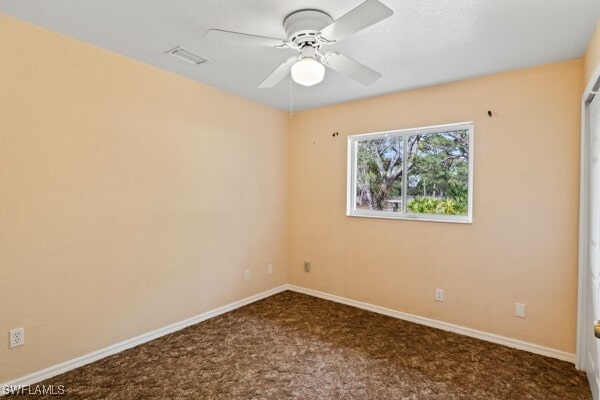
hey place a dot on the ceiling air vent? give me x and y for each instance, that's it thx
(186, 55)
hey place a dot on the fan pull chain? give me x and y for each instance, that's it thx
(291, 98)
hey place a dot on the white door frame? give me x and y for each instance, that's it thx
(583, 328)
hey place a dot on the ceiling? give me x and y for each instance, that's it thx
(425, 42)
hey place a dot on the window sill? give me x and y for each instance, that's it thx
(457, 219)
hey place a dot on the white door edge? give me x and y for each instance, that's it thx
(583, 327)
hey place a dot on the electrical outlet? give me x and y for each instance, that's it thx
(520, 310)
(247, 275)
(306, 266)
(439, 294)
(270, 269)
(17, 337)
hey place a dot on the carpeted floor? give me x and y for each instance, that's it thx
(292, 346)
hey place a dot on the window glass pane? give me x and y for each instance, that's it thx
(379, 174)
(438, 173)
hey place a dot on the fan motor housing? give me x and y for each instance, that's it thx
(302, 27)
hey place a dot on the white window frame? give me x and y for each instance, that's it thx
(353, 140)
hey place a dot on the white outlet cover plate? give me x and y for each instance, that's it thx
(520, 310)
(17, 337)
(306, 266)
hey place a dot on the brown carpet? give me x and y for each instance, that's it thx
(292, 346)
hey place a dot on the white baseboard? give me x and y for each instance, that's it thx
(490, 337)
(127, 344)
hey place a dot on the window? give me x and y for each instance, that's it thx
(422, 173)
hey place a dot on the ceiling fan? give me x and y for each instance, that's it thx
(308, 32)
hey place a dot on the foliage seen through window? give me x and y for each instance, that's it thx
(410, 173)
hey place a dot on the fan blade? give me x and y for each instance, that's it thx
(280, 72)
(350, 68)
(242, 38)
(357, 19)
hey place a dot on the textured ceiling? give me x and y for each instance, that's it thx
(424, 43)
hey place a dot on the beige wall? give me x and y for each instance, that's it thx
(592, 55)
(522, 244)
(128, 197)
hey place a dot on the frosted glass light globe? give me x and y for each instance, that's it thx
(308, 72)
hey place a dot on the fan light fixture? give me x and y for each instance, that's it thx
(309, 32)
(308, 72)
